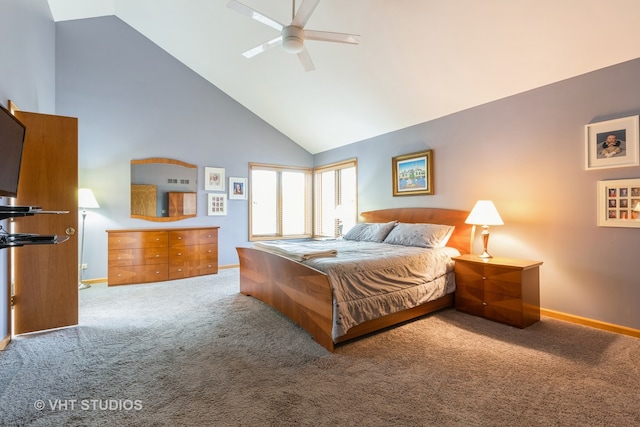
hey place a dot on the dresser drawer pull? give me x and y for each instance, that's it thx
(157, 255)
(179, 237)
(157, 272)
(484, 303)
(484, 277)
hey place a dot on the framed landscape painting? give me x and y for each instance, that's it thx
(413, 174)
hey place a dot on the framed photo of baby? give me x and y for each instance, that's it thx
(612, 144)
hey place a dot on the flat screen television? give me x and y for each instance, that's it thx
(11, 144)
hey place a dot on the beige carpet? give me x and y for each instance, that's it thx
(196, 353)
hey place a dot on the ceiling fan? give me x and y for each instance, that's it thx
(292, 36)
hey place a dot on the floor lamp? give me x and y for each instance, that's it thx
(86, 200)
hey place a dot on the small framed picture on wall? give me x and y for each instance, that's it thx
(619, 203)
(612, 144)
(214, 179)
(237, 188)
(413, 174)
(216, 204)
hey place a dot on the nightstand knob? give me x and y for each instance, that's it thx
(484, 303)
(484, 277)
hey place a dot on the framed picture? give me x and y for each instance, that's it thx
(237, 188)
(619, 203)
(612, 144)
(214, 179)
(413, 174)
(216, 204)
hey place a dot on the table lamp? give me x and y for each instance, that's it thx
(484, 213)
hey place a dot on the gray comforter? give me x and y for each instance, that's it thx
(371, 280)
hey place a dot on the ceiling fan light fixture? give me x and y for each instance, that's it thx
(293, 39)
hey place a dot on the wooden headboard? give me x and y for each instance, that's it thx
(462, 236)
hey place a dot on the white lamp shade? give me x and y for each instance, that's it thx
(86, 199)
(484, 213)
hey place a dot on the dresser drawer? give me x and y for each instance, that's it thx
(137, 274)
(208, 236)
(135, 240)
(179, 255)
(182, 270)
(183, 238)
(208, 253)
(125, 257)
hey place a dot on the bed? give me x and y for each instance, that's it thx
(305, 294)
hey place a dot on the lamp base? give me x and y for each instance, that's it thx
(83, 286)
(485, 254)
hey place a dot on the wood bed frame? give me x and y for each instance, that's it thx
(304, 294)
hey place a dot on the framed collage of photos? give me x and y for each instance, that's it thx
(619, 203)
(216, 204)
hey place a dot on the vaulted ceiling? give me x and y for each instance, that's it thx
(417, 59)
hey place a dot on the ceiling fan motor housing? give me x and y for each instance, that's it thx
(293, 39)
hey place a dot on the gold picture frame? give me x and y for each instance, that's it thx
(413, 173)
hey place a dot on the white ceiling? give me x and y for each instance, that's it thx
(417, 59)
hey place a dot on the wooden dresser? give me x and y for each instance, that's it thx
(156, 254)
(505, 290)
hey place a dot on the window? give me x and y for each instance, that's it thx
(280, 202)
(336, 190)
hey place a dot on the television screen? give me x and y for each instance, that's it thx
(11, 144)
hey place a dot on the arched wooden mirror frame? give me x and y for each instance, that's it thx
(180, 207)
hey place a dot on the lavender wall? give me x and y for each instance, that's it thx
(526, 153)
(134, 101)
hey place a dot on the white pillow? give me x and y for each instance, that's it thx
(369, 231)
(420, 235)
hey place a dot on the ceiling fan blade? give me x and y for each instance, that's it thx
(326, 36)
(262, 47)
(304, 13)
(306, 61)
(255, 15)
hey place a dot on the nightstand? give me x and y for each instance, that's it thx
(506, 290)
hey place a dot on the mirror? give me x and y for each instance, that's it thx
(163, 189)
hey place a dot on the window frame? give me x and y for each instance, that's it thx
(308, 202)
(317, 195)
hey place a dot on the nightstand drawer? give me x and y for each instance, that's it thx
(490, 278)
(490, 305)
